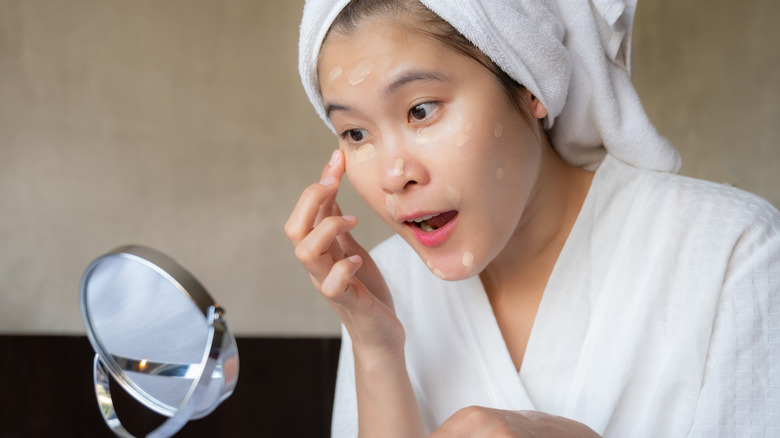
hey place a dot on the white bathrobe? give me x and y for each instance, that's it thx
(661, 319)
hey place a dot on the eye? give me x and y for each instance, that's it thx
(423, 111)
(354, 135)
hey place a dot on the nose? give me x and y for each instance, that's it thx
(402, 168)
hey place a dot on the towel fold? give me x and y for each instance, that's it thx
(573, 55)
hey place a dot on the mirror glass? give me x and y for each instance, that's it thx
(158, 333)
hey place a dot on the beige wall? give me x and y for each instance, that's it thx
(182, 125)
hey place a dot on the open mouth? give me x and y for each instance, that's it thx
(433, 222)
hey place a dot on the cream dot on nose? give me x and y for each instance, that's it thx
(398, 167)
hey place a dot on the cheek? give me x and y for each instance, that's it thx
(363, 175)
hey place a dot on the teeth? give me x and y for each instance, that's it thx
(427, 228)
(425, 218)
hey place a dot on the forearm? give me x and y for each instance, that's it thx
(386, 403)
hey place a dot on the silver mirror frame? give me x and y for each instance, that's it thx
(221, 348)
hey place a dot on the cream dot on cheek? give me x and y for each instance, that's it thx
(398, 167)
(391, 204)
(499, 130)
(360, 72)
(364, 153)
(453, 194)
(428, 135)
(335, 74)
(499, 173)
(462, 140)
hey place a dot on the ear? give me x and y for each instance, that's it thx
(537, 108)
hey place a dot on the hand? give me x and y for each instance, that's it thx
(479, 422)
(340, 268)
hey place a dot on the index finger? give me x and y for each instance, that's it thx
(315, 198)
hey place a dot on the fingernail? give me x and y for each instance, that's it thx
(354, 259)
(328, 180)
(334, 159)
(349, 217)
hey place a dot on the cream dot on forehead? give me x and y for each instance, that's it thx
(364, 153)
(360, 72)
(398, 167)
(335, 74)
(500, 173)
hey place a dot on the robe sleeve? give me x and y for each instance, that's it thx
(345, 414)
(740, 393)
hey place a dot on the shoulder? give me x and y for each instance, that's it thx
(680, 201)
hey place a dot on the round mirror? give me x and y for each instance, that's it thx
(159, 334)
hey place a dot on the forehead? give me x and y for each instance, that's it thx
(384, 41)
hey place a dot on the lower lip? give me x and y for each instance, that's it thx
(437, 237)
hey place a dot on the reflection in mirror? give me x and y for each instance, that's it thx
(158, 333)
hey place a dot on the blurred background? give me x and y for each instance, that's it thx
(182, 125)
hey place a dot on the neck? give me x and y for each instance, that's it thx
(526, 262)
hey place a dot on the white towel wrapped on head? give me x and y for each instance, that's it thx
(573, 55)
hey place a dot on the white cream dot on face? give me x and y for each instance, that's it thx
(453, 194)
(427, 135)
(499, 130)
(429, 264)
(335, 74)
(398, 167)
(364, 153)
(468, 259)
(439, 274)
(461, 140)
(499, 173)
(360, 72)
(391, 204)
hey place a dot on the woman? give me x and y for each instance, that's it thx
(549, 275)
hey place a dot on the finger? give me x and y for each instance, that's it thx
(336, 164)
(306, 211)
(319, 250)
(337, 282)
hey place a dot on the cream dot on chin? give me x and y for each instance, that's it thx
(439, 274)
(468, 259)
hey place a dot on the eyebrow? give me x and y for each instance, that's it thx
(407, 77)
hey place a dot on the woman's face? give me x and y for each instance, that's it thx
(432, 143)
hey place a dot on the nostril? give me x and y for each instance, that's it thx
(409, 183)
